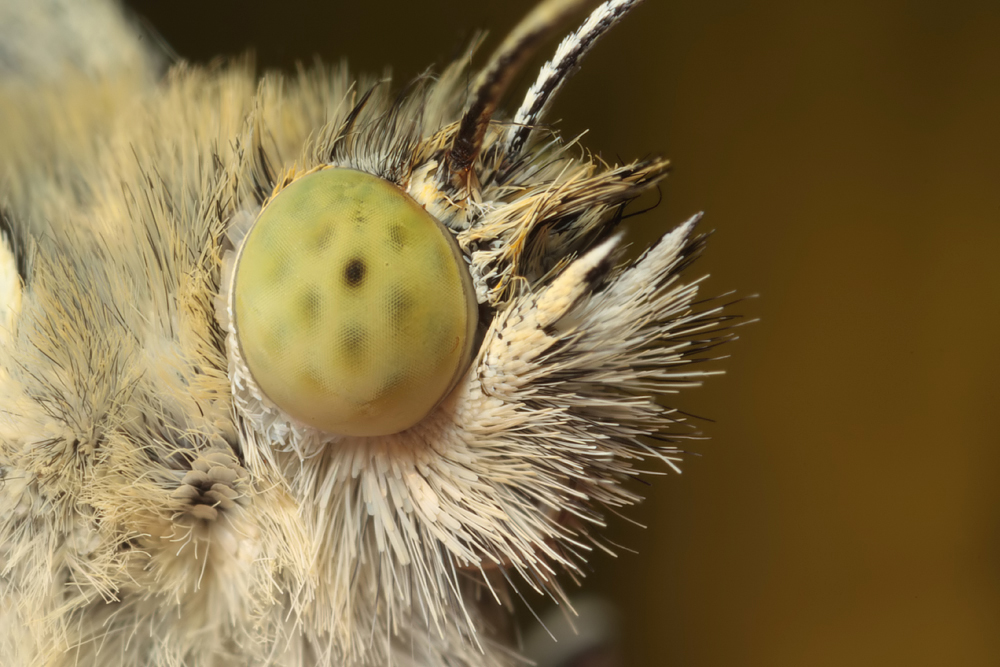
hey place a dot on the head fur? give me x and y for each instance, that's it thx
(157, 509)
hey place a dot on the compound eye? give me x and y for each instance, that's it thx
(354, 309)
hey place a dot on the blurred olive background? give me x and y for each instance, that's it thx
(846, 510)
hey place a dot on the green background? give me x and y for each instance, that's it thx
(846, 510)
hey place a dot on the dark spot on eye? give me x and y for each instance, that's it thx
(440, 265)
(359, 217)
(307, 304)
(354, 272)
(397, 237)
(276, 339)
(354, 341)
(279, 268)
(312, 377)
(398, 305)
(324, 239)
(389, 384)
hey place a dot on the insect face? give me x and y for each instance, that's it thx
(313, 370)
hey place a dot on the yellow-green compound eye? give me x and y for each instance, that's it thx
(354, 309)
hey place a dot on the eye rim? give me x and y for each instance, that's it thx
(268, 414)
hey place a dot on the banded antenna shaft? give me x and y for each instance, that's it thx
(563, 65)
(493, 80)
